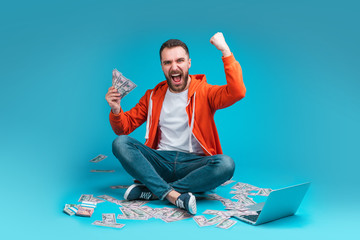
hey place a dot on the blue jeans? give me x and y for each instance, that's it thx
(164, 171)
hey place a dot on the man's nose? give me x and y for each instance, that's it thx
(174, 65)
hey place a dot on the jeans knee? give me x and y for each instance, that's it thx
(119, 144)
(227, 165)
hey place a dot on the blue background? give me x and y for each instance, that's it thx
(298, 122)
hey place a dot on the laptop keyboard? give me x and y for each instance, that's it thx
(252, 218)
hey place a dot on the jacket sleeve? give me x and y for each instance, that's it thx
(226, 95)
(126, 122)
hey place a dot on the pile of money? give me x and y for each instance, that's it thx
(121, 83)
(108, 220)
(138, 210)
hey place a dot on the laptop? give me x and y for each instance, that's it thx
(280, 203)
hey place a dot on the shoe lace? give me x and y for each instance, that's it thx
(180, 203)
(145, 195)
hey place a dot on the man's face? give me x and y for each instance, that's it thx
(175, 64)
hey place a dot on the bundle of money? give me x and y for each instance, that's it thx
(86, 209)
(108, 220)
(121, 83)
(71, 209)
(98, 158)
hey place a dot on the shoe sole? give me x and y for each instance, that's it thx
(192, 204)
(129, 190)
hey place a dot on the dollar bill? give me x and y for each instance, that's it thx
(108, 218)
(98, 158)
(149, 210)
(140, 213)
(89, 198)
(264, 192)
(133, 203)
(127, 213)
(176, 214)
(102, 171)
(244, 187)
(200, 220)
(215, 220)
(226, 224)
(85, 197)
(112, 225)
(122, 84)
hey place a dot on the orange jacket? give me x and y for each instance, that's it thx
(203, 100)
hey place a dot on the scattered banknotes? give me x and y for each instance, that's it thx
(121, 83)
(98, 158)
(138, 210)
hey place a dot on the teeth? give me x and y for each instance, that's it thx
(174, 75)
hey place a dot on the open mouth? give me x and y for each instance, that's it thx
(176, 77)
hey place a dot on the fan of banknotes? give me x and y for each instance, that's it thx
(121, 83)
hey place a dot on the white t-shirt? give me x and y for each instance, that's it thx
(175, 132)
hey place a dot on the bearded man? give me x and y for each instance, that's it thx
(182, 154)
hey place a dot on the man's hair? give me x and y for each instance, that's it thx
(174, 43)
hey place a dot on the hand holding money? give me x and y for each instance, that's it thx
(120, 88)
(113, 98)
(218, 41)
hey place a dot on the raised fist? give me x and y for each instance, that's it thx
(218, 41)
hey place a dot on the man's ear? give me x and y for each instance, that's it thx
(189, 62)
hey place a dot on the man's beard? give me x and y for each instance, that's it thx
(177, 88)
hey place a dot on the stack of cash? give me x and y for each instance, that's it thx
(88, 205)
(71, 209)
(121, 83)
(108, 220)
(86, 209)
